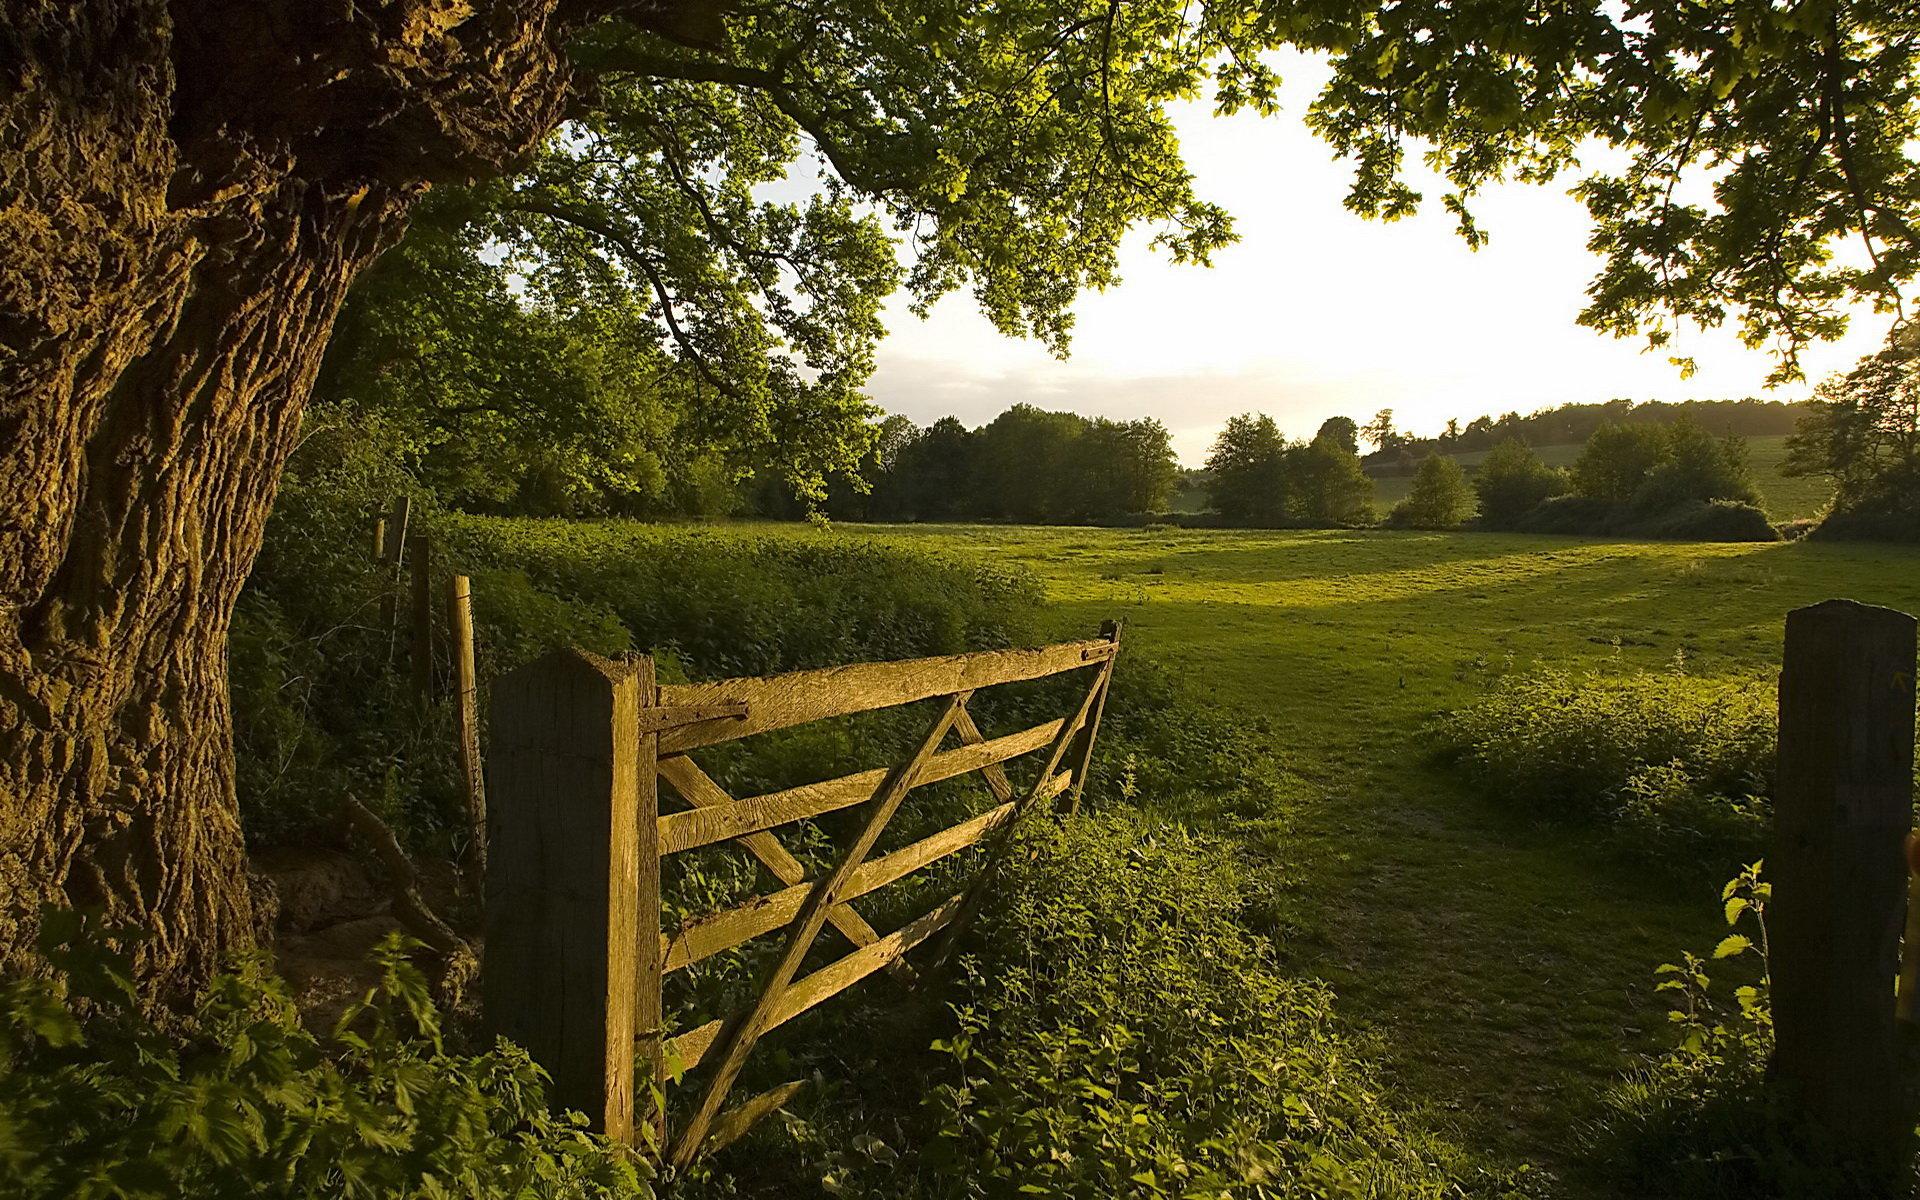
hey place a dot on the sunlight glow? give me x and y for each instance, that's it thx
(1317, 312)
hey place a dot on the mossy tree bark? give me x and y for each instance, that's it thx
(187, 190)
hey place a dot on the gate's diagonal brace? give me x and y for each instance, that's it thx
(994, 773)
(997, 845)
(810, 920)
(698, 788)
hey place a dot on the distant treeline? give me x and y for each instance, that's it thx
(1026, 464)
(1571, 424)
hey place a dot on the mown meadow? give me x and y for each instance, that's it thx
(1499, 962)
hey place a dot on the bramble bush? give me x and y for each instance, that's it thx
(98, 1102)
(1672, 759)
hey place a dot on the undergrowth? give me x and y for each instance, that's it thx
(1117, 1030)
(1675, 762)
(98, 1102)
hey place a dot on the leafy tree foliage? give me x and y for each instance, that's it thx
(1512, 481)
(1380, 431)
(1440, 498)
(1654, 468)
(1329, 487)
(1862, 428)
(1027, 464)
(627, 326)
(1247, 471)
(1617, 460)
(1341, 431)
(1257, 477)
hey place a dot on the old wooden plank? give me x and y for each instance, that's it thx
(970, 898)
(704, 825)
(698, 788)
(806, 927)
(779, 701)
(649, 1006)
(563, 886)
(656, 719)
(692, 1047)
(709, 935)
(733, 1124)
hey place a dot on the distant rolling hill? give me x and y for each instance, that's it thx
(1784, 497)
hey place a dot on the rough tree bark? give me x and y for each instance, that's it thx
(187, 190)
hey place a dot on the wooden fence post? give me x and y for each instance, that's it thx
(393, 532)
(1842, 806)
(563, 890)
(420, 550)
(466, 700)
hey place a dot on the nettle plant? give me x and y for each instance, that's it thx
(98, 1101)
(1710, 1033)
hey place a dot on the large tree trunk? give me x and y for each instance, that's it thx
(186, 193)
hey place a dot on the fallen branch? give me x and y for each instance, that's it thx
(409, 907)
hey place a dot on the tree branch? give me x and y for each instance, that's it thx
(639, 258)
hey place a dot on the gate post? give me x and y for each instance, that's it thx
(563, 886)
(1842, 807)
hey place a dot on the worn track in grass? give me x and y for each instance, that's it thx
(1502, 966)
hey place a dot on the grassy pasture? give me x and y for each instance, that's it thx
(1504, 968)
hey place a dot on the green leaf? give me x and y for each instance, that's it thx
(1732, 944)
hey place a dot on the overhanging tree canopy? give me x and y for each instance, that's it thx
(187, 189)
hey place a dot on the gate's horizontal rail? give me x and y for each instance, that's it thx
(709, 935)
(690, 1047)
(780, 701)
(704, 826)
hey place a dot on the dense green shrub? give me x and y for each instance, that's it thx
(1568, 514)
(1673, 758)
(1885, 511)
(737, 600)
(1687, 520)
(1701, 1119)
(96, 1102)
(1440, 498)
(1709, 521)
(1512, 481)
(1122, 1032)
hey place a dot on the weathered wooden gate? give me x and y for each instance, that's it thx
(575, 954)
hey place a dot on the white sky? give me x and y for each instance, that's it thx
(1316, 312)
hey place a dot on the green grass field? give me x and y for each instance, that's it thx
(1785, 497)
(1502, 970)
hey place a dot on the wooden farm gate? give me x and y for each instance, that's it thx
(575, 953)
